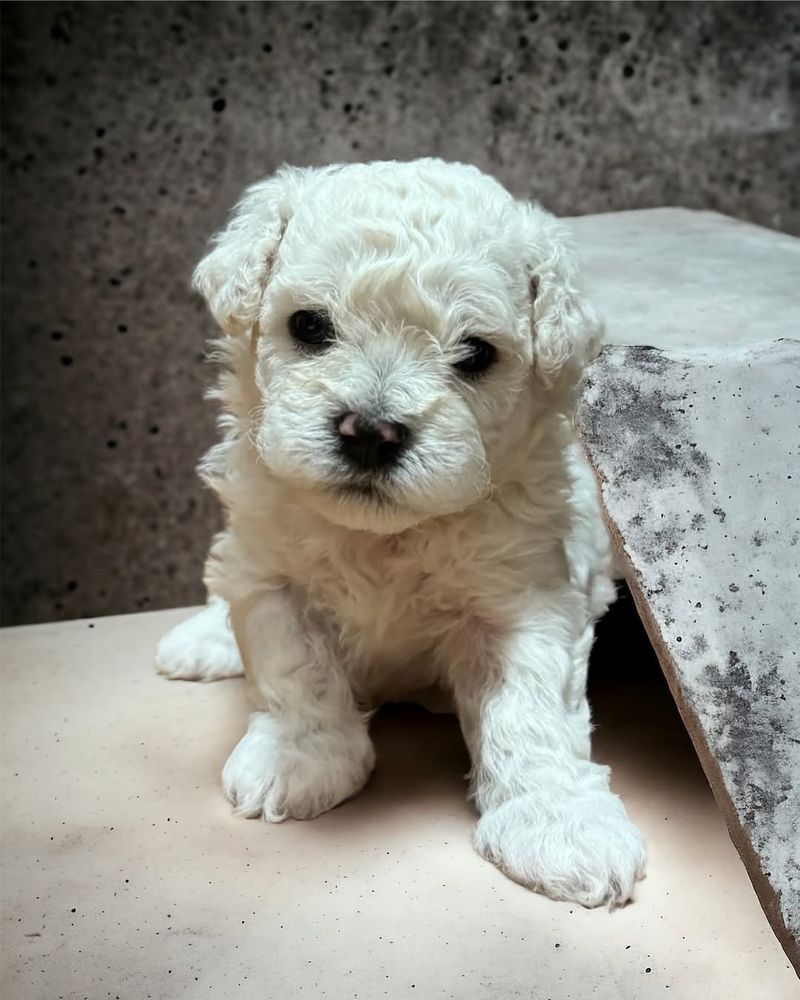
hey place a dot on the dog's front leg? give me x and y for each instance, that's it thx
(307, 747)
(548, 818)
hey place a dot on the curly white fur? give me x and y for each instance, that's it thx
(480, 565)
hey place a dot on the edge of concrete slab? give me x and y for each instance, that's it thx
(767, 895)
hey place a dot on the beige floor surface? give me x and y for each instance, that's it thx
(126, 876)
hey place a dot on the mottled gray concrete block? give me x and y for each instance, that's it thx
(699, 460)
(129, 129)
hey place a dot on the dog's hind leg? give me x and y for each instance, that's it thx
(203, 648)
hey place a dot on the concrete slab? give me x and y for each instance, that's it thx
(674, 278)
(125, 874)
(698, 457)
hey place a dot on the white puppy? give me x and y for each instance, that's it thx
(407, 506)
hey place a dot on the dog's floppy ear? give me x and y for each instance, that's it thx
(567, 332)
(232, 277)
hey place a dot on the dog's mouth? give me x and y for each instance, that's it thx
(364, 503)
(365, 490)
(374, 488)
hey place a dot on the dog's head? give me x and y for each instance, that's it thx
(411, 320)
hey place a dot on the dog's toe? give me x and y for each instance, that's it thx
(272, 775)
(580, 848)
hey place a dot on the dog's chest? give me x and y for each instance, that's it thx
(385, 597)
(393, 598)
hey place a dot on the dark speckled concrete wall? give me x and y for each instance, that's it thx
(128, 130)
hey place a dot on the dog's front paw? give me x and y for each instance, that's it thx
(278, 776)
(202, 648)
(577, 845)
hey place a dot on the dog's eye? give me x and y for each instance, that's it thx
(312, 329)
(478, 357)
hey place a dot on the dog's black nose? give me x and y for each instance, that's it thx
(370, 444)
